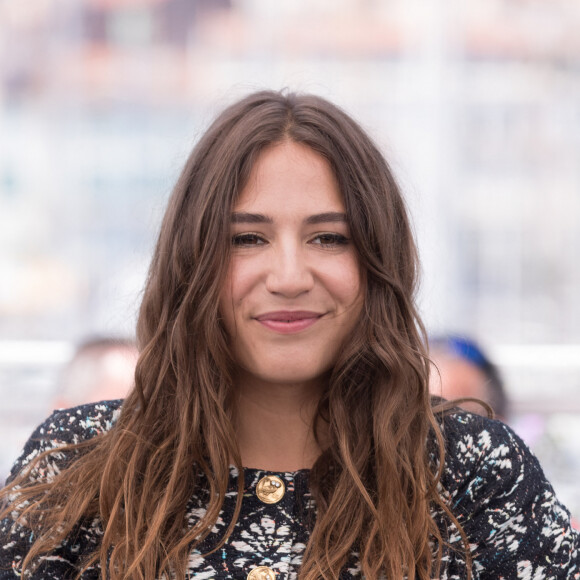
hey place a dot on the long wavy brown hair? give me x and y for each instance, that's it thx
(375, 486)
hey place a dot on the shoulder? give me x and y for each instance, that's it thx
(471, 439)
(483, 453)
(68, 427)
(497, 489)
(72, 426)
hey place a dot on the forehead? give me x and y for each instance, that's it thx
(287, 176)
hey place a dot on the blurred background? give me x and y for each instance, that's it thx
(476, 105)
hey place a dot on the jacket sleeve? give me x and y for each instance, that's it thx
(515, 525)
(63, 427)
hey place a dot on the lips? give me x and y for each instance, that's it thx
(288, 321)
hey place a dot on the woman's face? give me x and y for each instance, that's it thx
(294, 291)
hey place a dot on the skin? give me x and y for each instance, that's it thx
(100, 376)
(293, 294)
(459, 378)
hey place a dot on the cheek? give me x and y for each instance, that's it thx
(237, 287)
(346, 284)
(226, 304)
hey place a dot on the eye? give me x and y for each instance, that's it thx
(241, 240)
(330, 240)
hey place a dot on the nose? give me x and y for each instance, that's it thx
(289, 274)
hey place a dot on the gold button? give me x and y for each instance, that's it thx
(262, 573)
(270, 489)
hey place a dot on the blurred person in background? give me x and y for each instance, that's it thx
(281, 424)
(464, 371)
(101, 369)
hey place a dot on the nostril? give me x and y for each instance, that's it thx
(289, 283)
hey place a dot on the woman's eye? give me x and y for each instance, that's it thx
(247, 240)
(330, 240)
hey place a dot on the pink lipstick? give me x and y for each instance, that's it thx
(288, 321)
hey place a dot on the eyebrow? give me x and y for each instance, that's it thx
(328, 217)
(250, 218)
(258, 218)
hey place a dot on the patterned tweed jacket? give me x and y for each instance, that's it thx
(516, 527)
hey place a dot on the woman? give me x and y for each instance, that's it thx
(281, 425)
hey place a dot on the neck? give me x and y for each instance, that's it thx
(274, 424)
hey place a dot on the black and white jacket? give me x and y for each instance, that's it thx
(516, 527)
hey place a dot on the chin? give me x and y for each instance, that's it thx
(281, 372)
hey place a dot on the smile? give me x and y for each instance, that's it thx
(288, 322)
